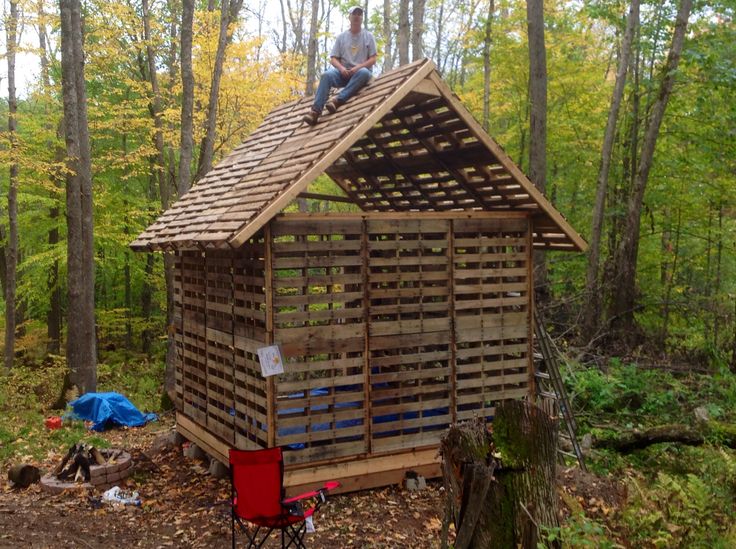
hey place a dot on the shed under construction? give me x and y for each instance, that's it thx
(394, 321)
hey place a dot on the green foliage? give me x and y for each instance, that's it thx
(577, 532)
(673, 512)
(29, 390)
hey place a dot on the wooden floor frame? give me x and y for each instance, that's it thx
(355, 473)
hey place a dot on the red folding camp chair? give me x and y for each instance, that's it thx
(257, 478)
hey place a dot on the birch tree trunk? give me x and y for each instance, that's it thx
(417, 29)
(312, 48)
(592, 302)
(187, 100)
(81, 338)
(538, 122)
(625, 256)
(403, 37)
(11, 248)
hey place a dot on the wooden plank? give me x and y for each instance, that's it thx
(407, 441)
(411, 358)
(269, 291)
(355, 469)
(199, 435)
(411, 375)
(339, 315)
(492, 333)
(318, 383)
(532, 381)
(427, 326)
(310, 299)
(316, 418)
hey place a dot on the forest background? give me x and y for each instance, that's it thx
(637, 148)
(248, 58)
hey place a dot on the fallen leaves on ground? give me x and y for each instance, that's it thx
(184, 506)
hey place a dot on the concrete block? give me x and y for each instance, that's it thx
(195, 452)
(219, 470)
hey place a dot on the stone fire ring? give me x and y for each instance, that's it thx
(100, 476)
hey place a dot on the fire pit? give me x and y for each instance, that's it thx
(87, 468)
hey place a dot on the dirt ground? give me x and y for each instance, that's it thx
(184, 506)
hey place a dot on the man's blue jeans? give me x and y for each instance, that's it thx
(332, 78)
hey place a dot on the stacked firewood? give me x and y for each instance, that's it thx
(76, 463)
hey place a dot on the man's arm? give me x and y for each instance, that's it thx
(368, 63)
(335, 62)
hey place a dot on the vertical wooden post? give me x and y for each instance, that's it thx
(530, 305)
(367, 347)
(271, 382)
(233, 291)
(451, 305)
(203, 255)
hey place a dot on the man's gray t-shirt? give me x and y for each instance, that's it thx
(354, 49)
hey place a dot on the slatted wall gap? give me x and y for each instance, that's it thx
(319, 322)
(249, 329)
(492, 307)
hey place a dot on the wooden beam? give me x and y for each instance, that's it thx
(326, 197)
(427, 87)
(202, 438)
(454, 214)
(368, 472)
(268, 288)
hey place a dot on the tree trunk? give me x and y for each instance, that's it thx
(538, 123)
(81, 342)
(487, 68)
(284, 29)
(625, 256)
(403, 37)
(228, 13)
(54, 315)
(187, 100)
(417, 29)
(11, 248)
(388, 54)
(502, 502)
(628, 441)
(669, 280)
(438, 39)
(592, 303)
(312, 49)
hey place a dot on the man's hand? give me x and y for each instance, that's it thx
(345, 72)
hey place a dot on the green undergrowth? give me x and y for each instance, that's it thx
(29, 391)
(677, 495)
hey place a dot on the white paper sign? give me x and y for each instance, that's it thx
(271, 361)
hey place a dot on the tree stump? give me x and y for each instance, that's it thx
(501, 487)
(22, 476)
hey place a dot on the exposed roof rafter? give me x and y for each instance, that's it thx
(404, 143)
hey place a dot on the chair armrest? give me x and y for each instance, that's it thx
(331, 485)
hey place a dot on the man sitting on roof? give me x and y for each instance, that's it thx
(352, 59)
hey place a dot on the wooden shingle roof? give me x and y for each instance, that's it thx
(403, 143)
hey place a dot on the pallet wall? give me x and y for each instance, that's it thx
(391, 326)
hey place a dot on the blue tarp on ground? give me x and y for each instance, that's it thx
(108, 410)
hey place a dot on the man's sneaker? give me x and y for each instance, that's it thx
(311, 117)
(334, 104)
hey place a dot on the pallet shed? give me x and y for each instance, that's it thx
(394, 321)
